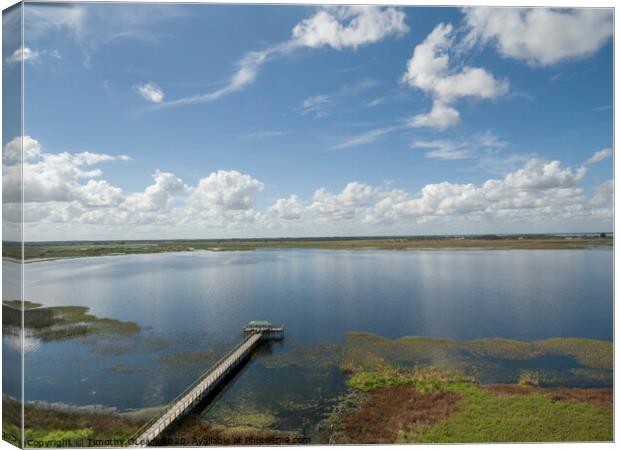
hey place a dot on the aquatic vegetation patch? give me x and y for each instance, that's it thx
(366, 350)
(319, 356)
(245, 418)
(529, 417)
(503, 348)
(66, 428)
(600, 397)
(387, 411)
(436, 407)
(572, 362)
(589, 352)
(61, 322)
(522, 412)
(424, 379)
(197, 432)
(554, 361)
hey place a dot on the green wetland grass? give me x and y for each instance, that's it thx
(57, 323)
(411, 389)
(552, 362)
(429, 405)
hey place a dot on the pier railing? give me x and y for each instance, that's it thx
(133, 439)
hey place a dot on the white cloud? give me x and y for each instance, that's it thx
(151, 92)
(542, 36)
(367, 137)
(539, 174)
(349, 26)
(603, 200)
(538, 191)
(440, 117)
(66, 193)
(443, 149)
(338, 27)
(290, 208)
(99, 193)
(376, 102)
(345, 205)
(324, 104)
(430, 70)
(477, 146)
(226, 189)
(28, 55)
(600, 156)
(51, 177)
(157, 196)
(89, 29)
(40, 20)
(315, 104)
(13, 149)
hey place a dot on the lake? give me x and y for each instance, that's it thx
(191, 308)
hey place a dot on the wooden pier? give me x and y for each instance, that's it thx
(255, 332)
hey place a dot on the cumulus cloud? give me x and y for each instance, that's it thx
(343, 27)
(539, 190)
(13, 149)
(603, 200)
(349, 26)
(98, 193)
(290, 208)
(343, 206)
(430, 70)
(157, 196)
(26, 54)
(67, 191)
(540, 36)
(51, 177)
(151, 92)
(226, 189)
(440, 117)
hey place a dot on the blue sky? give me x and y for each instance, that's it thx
(156, 121)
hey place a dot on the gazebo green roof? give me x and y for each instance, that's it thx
(260, 323)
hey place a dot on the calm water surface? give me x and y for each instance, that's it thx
(200, 302)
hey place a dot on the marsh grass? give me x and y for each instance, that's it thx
(431, 405)
(485, 417)
(195, 431)
(424, 379)
(61, 322)
(586, 361)
(47, 424)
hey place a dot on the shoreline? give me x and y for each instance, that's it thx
(45, 252)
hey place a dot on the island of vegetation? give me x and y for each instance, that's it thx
(426, 390)
(407, 390)
(36, 251)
